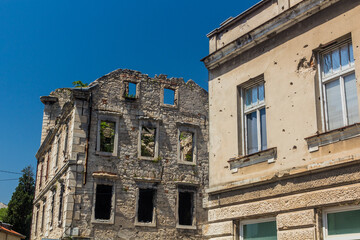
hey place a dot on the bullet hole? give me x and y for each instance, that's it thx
(275, 63)
(304, 159)
(220, 111)
(297, 139)
(294, 92)
(291, 83)
(292, 105)
(297, 54)
(284, 157)
(283, 130)
(306, 46)
(294, 147)
(231, 115)
(329, 151)
(282, 7)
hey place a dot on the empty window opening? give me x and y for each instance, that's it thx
(148, 141)
(186, 208)
(186, 146)
(62, 189)
(146, 205)
(107, 136)
(103, 201)
(130, 90)
(169, 96)
(52, 208)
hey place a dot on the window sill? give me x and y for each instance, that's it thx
(186, 227)
(141, 224)
(187, 163)
(106, 154)
(169, 106)
(100, 221)
(154, 159)
(268, 155)
(333, 136)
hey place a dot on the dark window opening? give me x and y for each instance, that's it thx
(107, 136)
(186, 208)
(169, 96)
(148, 141)
(130, 90)
(186, 146)
(146, 205)
(62, 189)
(103, 202)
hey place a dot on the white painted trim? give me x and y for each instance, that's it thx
(337, 210)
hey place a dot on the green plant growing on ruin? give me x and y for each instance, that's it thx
(107, 136)
(79, 84)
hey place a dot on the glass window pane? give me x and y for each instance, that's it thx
(334, 108)
(252, 139)
(263, 129)
(343, 222)
(254, 94)
(351, 99)
(327, 64)
(261, 93)
(335, 60)
(344, 56)
(260, 231)
(248, 98)
(351, 53)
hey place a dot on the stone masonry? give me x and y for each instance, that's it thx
(115, 164)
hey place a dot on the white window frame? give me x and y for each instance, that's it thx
(245, 111)
(154, 124)
(193, 191)
(337, 210)
(254, 221)
(116, 137)
(113, 201)
(323, 80)
(194, 132)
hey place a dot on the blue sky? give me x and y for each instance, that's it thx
(46, 45)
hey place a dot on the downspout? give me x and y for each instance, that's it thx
(87, 140)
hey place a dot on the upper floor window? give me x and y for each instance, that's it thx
(107, 135)
(254, 115)
(339, 85)
(148, 140)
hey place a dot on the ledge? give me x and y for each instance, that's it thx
(333, 136)
(103, 174)
(48, 99)
(149, 180)
(262, 33)
(268, 155)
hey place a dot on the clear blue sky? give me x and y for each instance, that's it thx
(46, 45)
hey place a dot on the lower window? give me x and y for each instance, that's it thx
(342, 223)
(103, 202)
(186, 208)
(259, 229)
(146, 206)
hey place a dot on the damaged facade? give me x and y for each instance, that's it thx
(284, 122)
(119, 160)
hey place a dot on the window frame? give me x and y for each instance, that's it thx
(153, 124)
(114, 119)
(350, 236)
(193, 191)
(255, 82)
(126, 90)
(176, 96)
(113, 201)
(194, 142)
(254, 221)
(154, 217)
(338, 76)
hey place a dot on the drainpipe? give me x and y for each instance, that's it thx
(87, 140)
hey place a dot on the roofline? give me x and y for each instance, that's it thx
(12, 232)
(235, 19)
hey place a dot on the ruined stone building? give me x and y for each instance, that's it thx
(124, 158)
(284, 122)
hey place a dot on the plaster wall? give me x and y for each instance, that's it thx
(292, 99)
